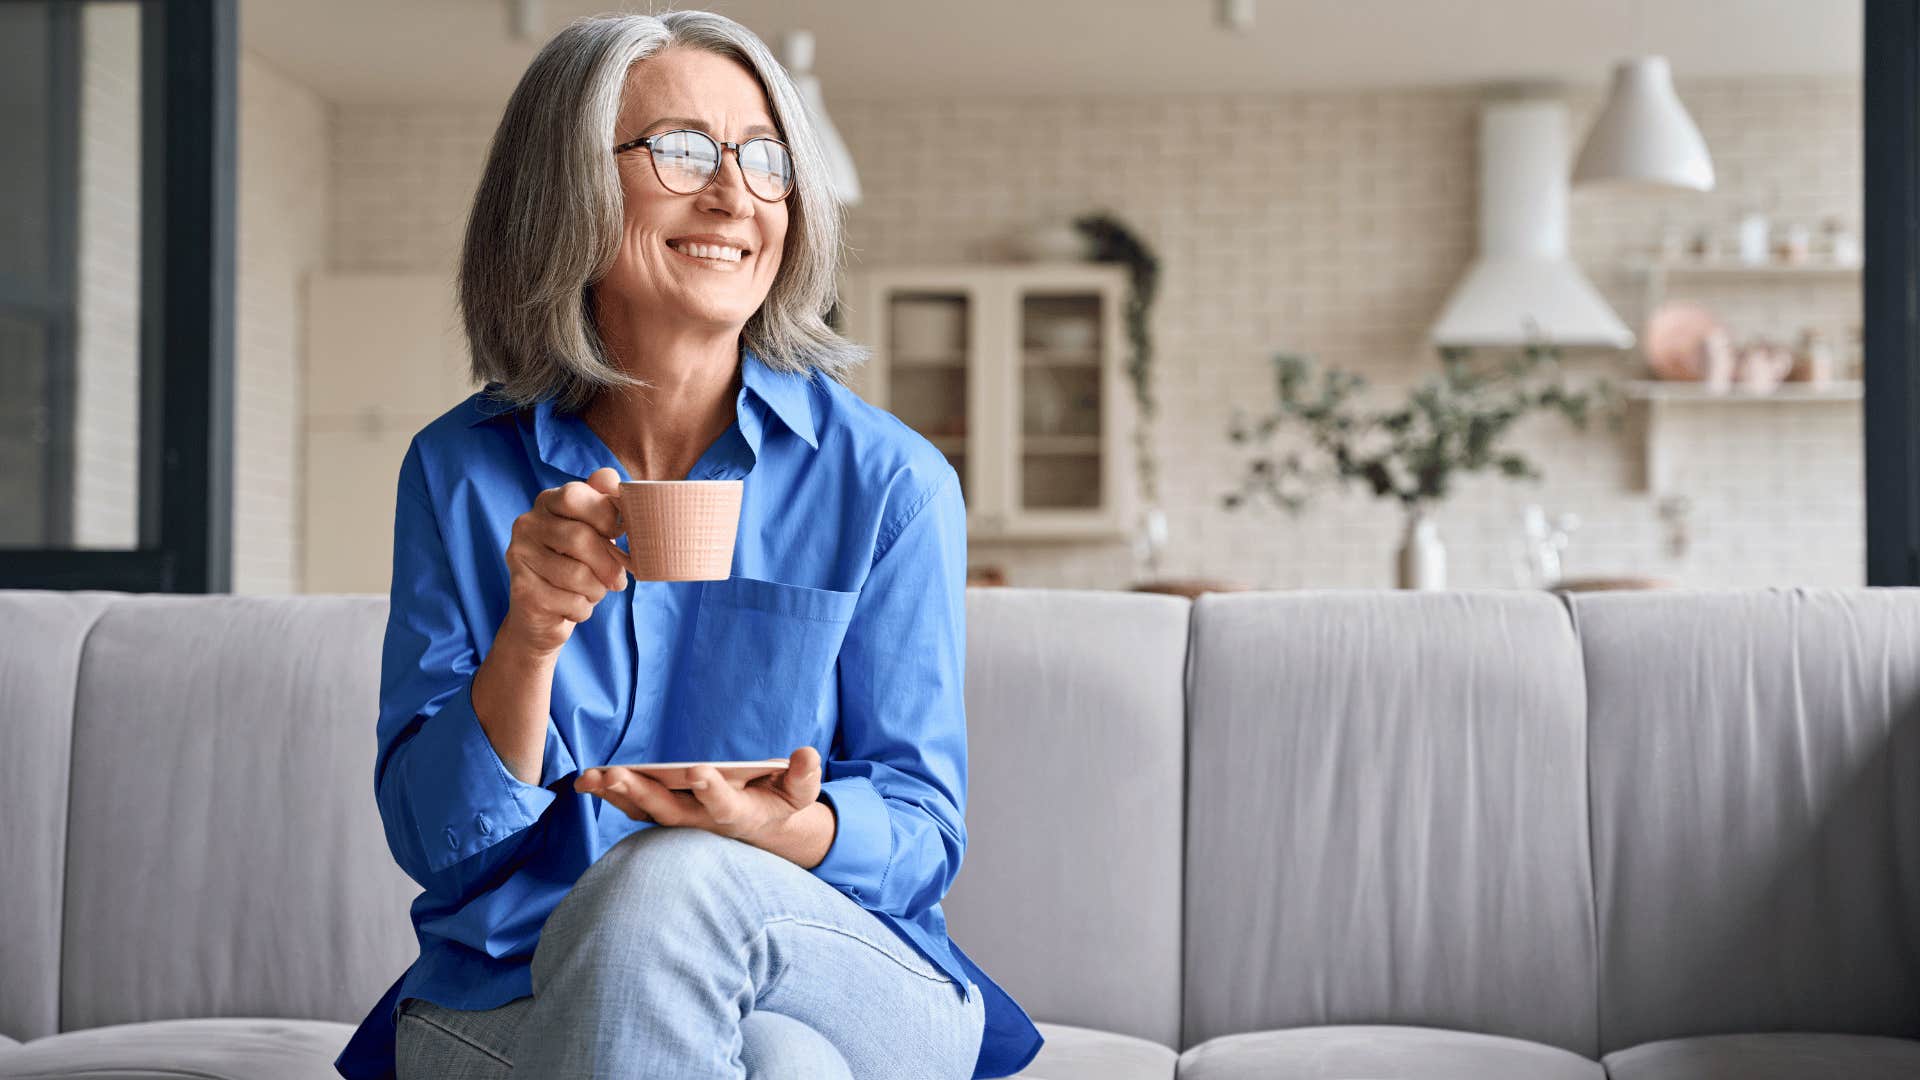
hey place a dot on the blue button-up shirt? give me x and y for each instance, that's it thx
(842, 627)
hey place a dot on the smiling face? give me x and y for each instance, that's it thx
(692, 88)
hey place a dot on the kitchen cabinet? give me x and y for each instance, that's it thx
(1018, 375)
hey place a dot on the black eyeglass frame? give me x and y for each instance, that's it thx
(647, 141)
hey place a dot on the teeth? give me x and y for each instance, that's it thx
(708, 251)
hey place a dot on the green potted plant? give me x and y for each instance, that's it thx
(1453, 422)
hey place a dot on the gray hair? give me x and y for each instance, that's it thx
(546, 219)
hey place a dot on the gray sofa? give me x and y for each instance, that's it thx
(1304, 835)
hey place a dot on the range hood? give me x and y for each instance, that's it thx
(1522, 287)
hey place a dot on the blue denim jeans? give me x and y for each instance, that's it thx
(684, 954)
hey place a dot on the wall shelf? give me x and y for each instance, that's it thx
(1727, 268)
(1655, 275)
(1674, 390)
(1658, 397)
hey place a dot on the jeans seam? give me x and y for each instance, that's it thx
(934, 976)
(456, 1036)
(779, 975)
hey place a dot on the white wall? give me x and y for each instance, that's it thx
(404, 179)
(285, 152)
(1332, 224)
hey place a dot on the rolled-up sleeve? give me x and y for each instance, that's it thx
(445, 796)
(897, 780)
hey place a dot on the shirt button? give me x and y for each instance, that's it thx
(480, 822)
(452, 840)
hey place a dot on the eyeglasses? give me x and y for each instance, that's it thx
(686, 161)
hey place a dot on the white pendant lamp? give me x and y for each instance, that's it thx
(797, 50)
(1644, 137)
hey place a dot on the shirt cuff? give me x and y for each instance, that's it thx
(862, 838)
(464, 798)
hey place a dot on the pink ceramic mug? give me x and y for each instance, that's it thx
(680, 530)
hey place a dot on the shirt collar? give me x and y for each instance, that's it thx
(568, 444)
(787, 393)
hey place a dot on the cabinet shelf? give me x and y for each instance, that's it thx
(1053, 445)
(1047, 358)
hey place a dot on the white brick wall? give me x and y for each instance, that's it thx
(404, 179)
(106, 477)
(285, 147)
(1333, 224)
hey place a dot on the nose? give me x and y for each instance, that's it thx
(732, 188)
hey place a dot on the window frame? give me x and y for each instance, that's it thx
(1890, 295)
(189, 203)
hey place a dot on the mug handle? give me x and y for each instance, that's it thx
(620, 519)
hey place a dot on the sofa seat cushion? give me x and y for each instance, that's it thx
(1404, 1053)
(1078, 1053)
(1770, 1056)
(230, 1049)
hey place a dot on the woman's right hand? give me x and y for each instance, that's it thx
(562, 560)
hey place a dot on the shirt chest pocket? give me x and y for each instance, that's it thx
(758, 679)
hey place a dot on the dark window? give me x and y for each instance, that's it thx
(117, 206)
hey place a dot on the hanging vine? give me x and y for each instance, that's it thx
(1112, 241)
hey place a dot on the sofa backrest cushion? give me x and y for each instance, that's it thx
(1756, 810)
(41, 633)
(225, 857)
(1069, 894)
(1387, 816)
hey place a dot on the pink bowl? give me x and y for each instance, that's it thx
(1676, 333)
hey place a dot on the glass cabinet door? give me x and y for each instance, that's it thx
(1016, 375)
(928, 345)
(1061, 421)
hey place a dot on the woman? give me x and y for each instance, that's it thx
(646, 304)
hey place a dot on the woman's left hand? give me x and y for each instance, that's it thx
(758, 809)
